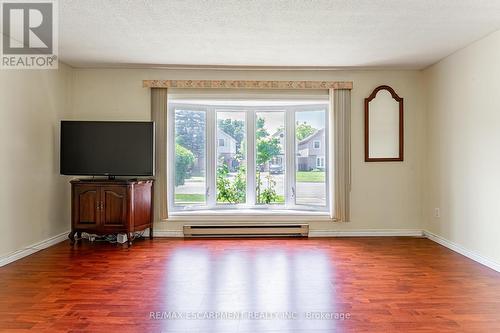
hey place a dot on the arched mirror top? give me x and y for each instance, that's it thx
(383, 125)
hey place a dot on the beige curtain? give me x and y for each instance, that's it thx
(340, 149)
(159, 116)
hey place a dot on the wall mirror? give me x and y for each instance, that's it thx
(383, 126)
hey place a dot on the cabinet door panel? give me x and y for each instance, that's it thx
(142, 205)
(114, 212)
(86, 206)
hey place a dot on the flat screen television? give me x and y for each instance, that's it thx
(107, 148)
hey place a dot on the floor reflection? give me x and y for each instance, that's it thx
(248, 286)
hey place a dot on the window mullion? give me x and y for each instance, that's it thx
(290, 188)
(250, 137)
(211, 152)
(171, 157)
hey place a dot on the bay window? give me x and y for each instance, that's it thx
(252, 151)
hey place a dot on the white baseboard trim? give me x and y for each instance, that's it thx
(463, 251)
(367, 233)
(168, 233)
(28, 250)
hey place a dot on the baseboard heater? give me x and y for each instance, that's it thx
(247, 230)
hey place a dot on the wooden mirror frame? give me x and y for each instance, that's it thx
(367, 127)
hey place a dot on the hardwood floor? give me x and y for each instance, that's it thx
(273, 285)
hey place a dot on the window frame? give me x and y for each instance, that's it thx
(171, 157)
(211, 160)
(216, 205)
(319, 144)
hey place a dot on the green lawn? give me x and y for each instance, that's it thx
(279, 200)
(185, 197)
(310, 176)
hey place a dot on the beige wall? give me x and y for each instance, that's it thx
(34, 199)
(463, 143)
(452, 133)
(384, 195)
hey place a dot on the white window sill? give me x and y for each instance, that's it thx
(251, 215)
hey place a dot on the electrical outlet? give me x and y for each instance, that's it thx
(437, 213)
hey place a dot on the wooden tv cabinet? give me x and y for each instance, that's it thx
(105, 207)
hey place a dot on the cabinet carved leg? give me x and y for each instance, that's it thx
(71, 237)
(151, 232)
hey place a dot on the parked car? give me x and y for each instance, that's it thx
(275, 169)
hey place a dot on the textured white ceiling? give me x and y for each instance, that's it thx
(358, 33)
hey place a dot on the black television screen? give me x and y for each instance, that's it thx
(107, 148)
